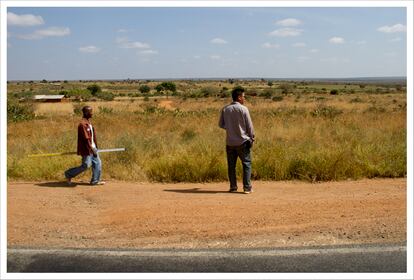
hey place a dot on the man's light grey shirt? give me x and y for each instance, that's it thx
(235, 119)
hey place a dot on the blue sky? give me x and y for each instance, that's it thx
(144, 43)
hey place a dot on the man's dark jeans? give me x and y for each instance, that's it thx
(243, 152)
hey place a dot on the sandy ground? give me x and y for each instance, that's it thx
(150, 215)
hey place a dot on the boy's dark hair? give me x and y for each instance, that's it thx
(236, 92)
(86, 109)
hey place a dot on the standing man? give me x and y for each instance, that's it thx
(235, 119)
(88, 149)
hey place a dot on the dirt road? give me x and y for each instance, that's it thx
(148, 215)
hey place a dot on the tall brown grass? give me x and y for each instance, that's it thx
(313, 139)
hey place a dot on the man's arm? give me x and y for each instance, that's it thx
(249, 125)
(221, 120)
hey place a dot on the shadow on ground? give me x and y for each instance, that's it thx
(198, 190)
(61, 184)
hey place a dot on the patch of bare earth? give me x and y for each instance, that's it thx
(149, 215)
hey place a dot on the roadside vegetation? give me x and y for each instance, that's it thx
(305, 130)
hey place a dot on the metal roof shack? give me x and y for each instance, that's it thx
(48, 98)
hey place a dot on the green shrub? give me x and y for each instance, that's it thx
(325, 111)
(17, 112)
(267, 93)
(104, 95)
(79, 93)
(94, 89)
(277, 98)
(144, 89)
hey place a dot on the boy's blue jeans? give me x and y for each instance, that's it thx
(243, 152)
(87, 161)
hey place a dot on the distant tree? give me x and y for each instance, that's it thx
(334, 92)
(169, 86)
(44, 81)
(270, 83)
(144, 89)
(166, 87)
(159, 88)
(94, 89)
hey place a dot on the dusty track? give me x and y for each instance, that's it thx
(147, 215)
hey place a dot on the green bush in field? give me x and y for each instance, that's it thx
(94, 89)
(277, 98)
(17, 112)
(144, 89)
(107, 96)
(79, 93)
(326, 111)
(208, 91)
(267, 93)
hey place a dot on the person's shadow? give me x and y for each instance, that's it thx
(198, 190)
(61, 184)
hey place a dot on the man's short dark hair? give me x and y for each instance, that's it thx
(236, 92)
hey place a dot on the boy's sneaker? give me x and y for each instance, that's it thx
(100, 183)
(69, 182)
(248, 191)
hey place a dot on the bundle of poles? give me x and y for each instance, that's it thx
(74, 153)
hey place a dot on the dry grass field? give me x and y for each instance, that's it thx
(303, 133)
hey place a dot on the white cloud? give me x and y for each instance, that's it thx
(136, 45)
(299, 45)
(337, 40)
(148, 52)
(215, 57)
(398, 39)
(48, 32)
(392, 29)
(270, 46)
(289, 22)
(286, 32)
(335, 60)
(218, 41)
(126, 44)
(313, 50)
(89, 49)
(24, 20)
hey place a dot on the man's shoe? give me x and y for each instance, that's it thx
(233, 190)
(248, 191)
(100, 183)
